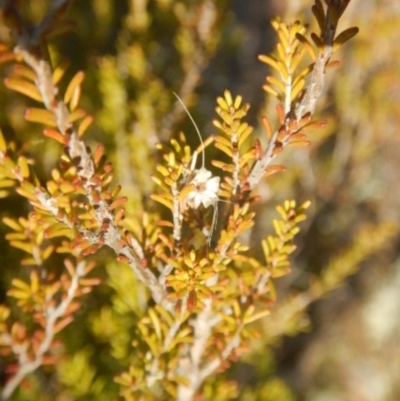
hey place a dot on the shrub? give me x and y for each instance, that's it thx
(158, 276)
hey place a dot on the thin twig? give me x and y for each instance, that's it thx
(309, 101)
(27, 365)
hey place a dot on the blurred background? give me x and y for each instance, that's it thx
(335, 334)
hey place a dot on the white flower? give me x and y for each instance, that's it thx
(205, 189)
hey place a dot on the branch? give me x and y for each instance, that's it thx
(313, 91)
(26, 365)
(32, 55)
(190, 365)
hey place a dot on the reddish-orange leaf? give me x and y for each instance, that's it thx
(119, 215)
(281, 113)
(98, 153)
(267, 127)
(165, 223)
(166, 240)
(278, 149)
(48, 360)
(91, 250)
(296, 137)
(192, 300)
(73, 307)
(24, 72)
(51, 133)
(322, 124)
(274, 168)
(6, 57)
(70, 267)
(89, 282)
(282, 135)
(118, 202)
(258, 149)
(299, 143)
(63, 323)
(86, 290)
(123, 259)
(332, 64)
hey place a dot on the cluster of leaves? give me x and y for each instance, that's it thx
(46, 301)
(205, 284)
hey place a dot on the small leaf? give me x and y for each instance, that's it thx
(223, 141)
(299, 143)
(6, 57)
(245, 134)
(343, 37)
(165, 223)
(317, 40)
(281, 114)
(272, 169)
(319, 15)
(332, 64)
(156, 322)
(279, 84)
(163, 200)
(25, 193)
(238, 101)
(24, 246)
(23, 166)
(270, 61)
(60, 71)
(59, 230)
(76, 115)
(296, 89)
(83, 126)
(61, 324)
(98, 154)
(50, 133)
(271, 91)
(228, 98)
(283, 36)
(118, 202)
(24, 87)
(256, 316)
(224, 149)
(76, 97)
(75, 82)
(12, 224)
(41, 116)
(308, 46)
(24, 72)
(222, 103)
(7, 183)
(191, 300)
